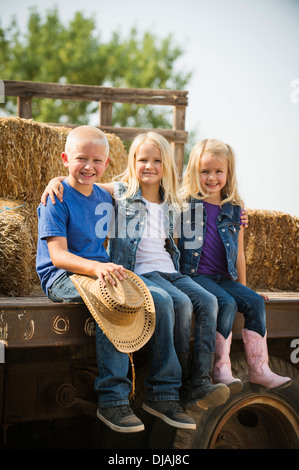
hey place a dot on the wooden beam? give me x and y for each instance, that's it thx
(95, 93)
(128, 133)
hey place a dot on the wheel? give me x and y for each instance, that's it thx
(255, 418)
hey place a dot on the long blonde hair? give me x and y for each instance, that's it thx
(169, 182)
(191, 186)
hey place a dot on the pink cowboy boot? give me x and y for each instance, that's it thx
(222, 372)
(257, 359)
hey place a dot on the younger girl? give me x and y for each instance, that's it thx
(218, 264)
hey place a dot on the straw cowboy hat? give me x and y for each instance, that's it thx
(125, 312)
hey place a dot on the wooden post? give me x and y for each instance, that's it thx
(105, 110)
(24, 107)
(179, 113)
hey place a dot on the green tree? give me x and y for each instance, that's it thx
(51, 51)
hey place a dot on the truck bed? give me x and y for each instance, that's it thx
(37, 321)
(282, 315)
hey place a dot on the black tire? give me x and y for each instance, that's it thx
(254, 418)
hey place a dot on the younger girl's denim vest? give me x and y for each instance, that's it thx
(129, 223)
(228, 225)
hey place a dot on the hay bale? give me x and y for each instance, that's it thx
(271, 250)
(18, 237)
(118, 158)
(30, 155)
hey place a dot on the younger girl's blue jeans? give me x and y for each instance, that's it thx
(232, 297)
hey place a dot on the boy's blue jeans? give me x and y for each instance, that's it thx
(232, 297)
(189, 297)
(112, 384)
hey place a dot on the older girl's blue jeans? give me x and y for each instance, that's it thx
(189, 297)
(112, 383)
(232, 297)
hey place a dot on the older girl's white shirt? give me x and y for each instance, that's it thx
(151, 253)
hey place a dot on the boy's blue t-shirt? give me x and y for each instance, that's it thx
(83, 220)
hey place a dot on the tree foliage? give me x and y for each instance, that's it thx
(74, 53)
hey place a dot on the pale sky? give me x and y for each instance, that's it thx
(244, 55)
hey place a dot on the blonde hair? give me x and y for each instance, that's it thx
(169, 181)
(88, 134)
(191, 186)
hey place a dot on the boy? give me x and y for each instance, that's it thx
(69, 243)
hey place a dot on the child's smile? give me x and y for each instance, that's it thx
(148, 164)
(86, 164)
(87, 175)
(213, 174)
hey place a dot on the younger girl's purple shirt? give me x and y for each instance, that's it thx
(213, 256)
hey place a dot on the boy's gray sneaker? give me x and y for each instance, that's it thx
(120, 418)
(171, 412)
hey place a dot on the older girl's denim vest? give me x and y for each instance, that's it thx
(127, 229)
(193, 224)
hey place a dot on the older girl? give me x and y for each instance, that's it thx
(147, 204)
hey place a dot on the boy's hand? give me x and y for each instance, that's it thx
(63, 259)
(265, 296)
(244, 218)
(54, 187)
(104, 270)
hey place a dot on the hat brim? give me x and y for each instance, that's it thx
(134, 334)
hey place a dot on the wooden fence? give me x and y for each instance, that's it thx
(106, 96)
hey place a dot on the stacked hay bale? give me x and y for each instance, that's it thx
(271, 250)
(18, 237)
(30, 155)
